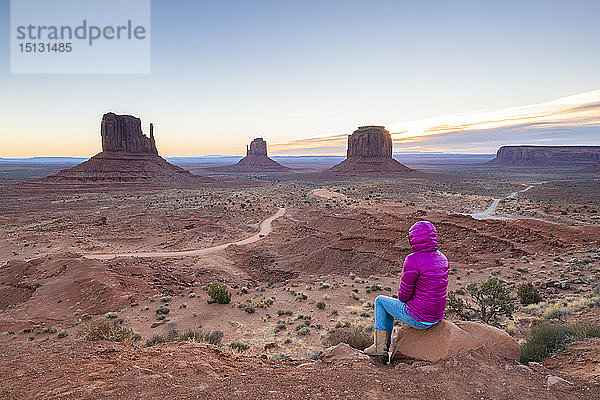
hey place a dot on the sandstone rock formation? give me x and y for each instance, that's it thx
(370, 142)
(447, 339)
(124, 133)
(256, 160)
(258, 147)
(128, 156)
(546, 156)
(370, 152)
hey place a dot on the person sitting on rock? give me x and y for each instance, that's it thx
(421, 300)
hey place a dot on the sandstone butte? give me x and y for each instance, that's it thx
(370, 152)
(256, 160)
(127, 156)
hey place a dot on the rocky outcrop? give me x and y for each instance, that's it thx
(256, 160)
(124, 133)
(545, 156)
(447, 340)
(128, 156)
(370, 152)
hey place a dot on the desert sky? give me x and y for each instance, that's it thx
(464, 76)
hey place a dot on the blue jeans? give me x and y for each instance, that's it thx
(387, 308)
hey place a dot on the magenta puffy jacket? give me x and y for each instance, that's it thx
(424, 281)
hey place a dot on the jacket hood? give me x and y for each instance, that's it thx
(423, 236)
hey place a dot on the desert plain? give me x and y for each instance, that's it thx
(329, 245)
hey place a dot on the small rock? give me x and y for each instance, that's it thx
(553, 380)
(428, 368)
(342, 352)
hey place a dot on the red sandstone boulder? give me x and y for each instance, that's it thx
(447, 339)
(342, 352)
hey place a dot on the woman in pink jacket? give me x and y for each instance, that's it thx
(422, 297)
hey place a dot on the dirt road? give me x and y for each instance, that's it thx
(265, 229)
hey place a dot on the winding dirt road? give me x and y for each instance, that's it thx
(487, 214)
(265, 229)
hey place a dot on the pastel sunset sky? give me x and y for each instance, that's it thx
(462, 77)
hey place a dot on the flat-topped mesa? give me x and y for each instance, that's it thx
(543, 156)
(257, 147)
(370, 152)
(370, 141)
(124, 133)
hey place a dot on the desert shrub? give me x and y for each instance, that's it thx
(528, 294)
(158, 339)
(214, 337)
(548, 339)
(218, 293)
(489, 302)
(359, 337)
(301, 296)
(239, 346)
(190, 335)
(553, 312)
(303, 331)
(103, 329)
(320, 305)
(111, 315)
(454, 304)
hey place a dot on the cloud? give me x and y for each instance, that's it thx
(572, 120)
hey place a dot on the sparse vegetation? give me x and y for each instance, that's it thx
(104, 329)
(218, 293)
(301, 296)
(239, 346)
(548, 339)
(359, 337)
(196, 336)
